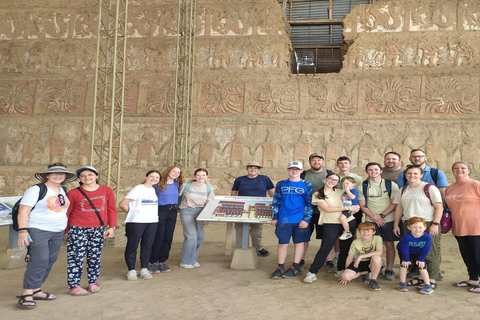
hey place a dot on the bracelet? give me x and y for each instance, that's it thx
(23, 231)
(20, 229)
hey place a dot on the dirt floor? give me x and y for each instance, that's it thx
(214, 291)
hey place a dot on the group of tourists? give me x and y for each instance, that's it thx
(393, 203)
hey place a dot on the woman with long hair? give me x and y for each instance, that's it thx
(463, 199)
(195, 195)
(168, 192)
(41, 224)
(92, 209)
(329, 202)
(140, 204)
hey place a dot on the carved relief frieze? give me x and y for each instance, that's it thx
(469, 16)
(382, 17)
(17, 97)
(160, 98)
(132, 90)
(275, 99)
(148, 22)
(335, 97)
(433, 17)
(392, 96)
(64, 96)
(220, 98)
(451, 96)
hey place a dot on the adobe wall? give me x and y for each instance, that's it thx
(410, 80)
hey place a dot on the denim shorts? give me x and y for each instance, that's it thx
(362, 266)
(346, 213)
(386, 232)
(285, 231)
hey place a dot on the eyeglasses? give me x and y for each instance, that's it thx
(333, 179)
(86, 175)
(415, 157)
(61, 199)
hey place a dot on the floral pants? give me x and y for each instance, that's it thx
(84, 242)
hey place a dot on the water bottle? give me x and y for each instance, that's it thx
(17, 253)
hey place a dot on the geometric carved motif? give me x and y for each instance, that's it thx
(217, 99)
(392, 96)
(341, 98)
(161, 99)
(268, 99)
(17, 97)
(64, 96)
(450, 97)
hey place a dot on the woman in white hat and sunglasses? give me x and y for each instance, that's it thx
(41, 226)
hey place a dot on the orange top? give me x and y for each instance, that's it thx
(464, 203)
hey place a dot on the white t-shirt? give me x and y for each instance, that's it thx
(144, 205)
(416, 204)
(48, 214)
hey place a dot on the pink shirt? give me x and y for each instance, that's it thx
(464, 203)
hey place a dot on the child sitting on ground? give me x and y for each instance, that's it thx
(413, 248)
(350, 198)
(368, 251)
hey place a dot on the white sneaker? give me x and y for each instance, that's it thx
(346, 235)
(132, 275)
(187, 266)
(310, 277)
(145, 274)
(196, 265)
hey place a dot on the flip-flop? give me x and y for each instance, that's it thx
(93, 287)
(22, 301)
(48, 296)
(474, 288)
(463, 284)
(78, 291)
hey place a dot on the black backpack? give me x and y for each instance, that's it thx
(41, 195)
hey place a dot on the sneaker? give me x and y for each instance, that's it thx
(339, 273)
(330, 267)
(335, 261)
(366, 277)
(196, 265)
(145, 274)
(291, 273)
(402, 286)
(187, 266)
(310, 277)
(427, 289)
(278, 273)
(132, 275)
(373, 285)
(412, 273)
(346, 235)
(301, 265)
(389, 275)
(154, 268)
(263, 253)
(440, 277)
(163, 267)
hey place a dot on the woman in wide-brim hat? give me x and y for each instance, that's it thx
(86, 231)
(42, 223)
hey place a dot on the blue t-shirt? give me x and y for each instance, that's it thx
(169, 196)
(355, 193)
(409, 244)
(427, 177)
(292, 201)
(252, 187)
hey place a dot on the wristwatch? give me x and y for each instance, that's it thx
(382, 215)
(435, 223)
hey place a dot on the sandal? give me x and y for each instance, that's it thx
(475, 289)
(463, 284)
(78, 291)
(415, 282)
(48, 296)
(93, 287)
(22, 302)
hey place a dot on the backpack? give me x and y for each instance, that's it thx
(41, 195)
(188, 186)
(388, 186)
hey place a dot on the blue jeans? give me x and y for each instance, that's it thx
(193, 233)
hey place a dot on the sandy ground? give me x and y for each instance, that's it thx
(214, 291)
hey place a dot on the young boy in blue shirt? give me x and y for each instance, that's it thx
(292, 212)
(413, 248)
(350, 198)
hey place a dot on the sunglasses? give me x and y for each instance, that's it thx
(61, 198)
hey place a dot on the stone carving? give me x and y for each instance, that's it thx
(161, 99)
(392, 96)
(437, 17)
(205, 149)
(17, 97)
(152, 23)
(384, 17)
(450, 96)
(219, 99)
(64, 96)
(230, 21)
(131, 97)
(338, 97)
(275, 99)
